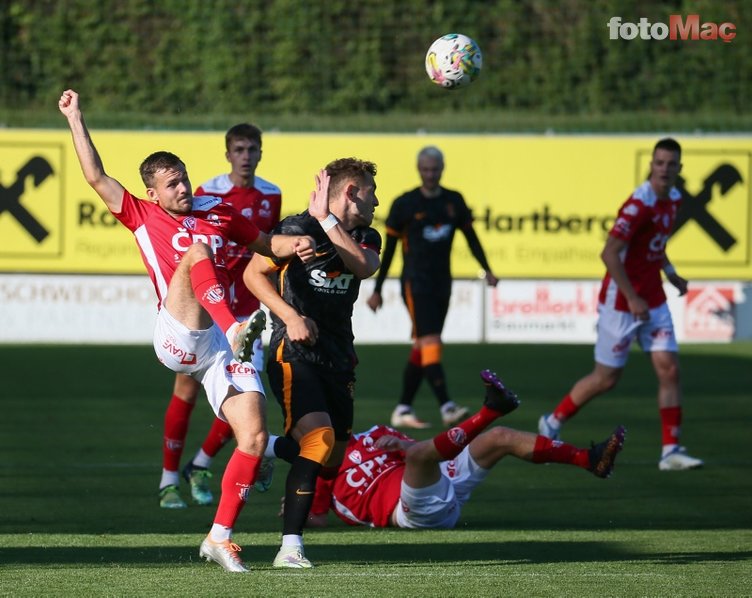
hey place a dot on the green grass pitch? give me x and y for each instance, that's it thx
(80, 459)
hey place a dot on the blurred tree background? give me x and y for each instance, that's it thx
(344, 65)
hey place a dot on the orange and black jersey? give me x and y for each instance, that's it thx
(322, 289)
(426, 228)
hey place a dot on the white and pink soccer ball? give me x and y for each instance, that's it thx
(454, 60)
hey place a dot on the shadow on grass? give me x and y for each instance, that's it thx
(399, 555)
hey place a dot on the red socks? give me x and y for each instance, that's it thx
(240, 474)
(449, 444)
(219, 434)
(671, 424)
(176, 421)
(211, 294)
(556, 451)
(565, 409)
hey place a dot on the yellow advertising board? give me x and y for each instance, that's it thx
(542, 204)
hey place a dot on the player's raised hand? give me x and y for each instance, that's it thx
(318, 207)
(68, 102)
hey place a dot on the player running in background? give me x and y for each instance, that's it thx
(389, 479)
(311, 365)
(182, 241)
(425, 220)
(260, 202)
(633, 305)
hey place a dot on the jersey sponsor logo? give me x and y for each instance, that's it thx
(457, 436)
(185, 357)
(365, 472)
(440, 232)
(330, 281)
(657, 247)
(182, 240)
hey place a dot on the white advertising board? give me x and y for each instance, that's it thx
(122, 309)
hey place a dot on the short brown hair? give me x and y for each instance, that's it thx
(347, 169)
(669, 144)
(158, 161)
(242, 131)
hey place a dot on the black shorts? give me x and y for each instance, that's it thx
(302, 388)
(427, 311)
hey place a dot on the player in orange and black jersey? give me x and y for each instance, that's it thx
(424, 220)
(311, 365)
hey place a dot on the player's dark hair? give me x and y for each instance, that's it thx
(158, 161)
(242, 131)
(669, 144)
(348, 169)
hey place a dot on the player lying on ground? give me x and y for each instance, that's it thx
(389, 479)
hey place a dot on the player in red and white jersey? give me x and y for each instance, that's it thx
(259, 202)
(633, 306)
(196, 332)
(389, 479)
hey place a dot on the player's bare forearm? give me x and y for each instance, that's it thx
(361, 262)
(109, 189)
(287, 246)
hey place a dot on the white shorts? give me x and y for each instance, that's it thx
(206, 356)
(439, 505)
(617, 330)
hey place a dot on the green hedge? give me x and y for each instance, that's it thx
(335, 57)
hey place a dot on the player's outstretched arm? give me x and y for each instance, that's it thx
(109, 189)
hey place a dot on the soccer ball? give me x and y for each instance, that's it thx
(454, 60)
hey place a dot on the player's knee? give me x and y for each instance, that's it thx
(197, 252)
(317, 445)
(252, 442)
(607, 380)
(430, 354)
(501, 436)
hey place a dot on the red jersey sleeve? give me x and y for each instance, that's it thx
(630, 218)
(242, 231)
